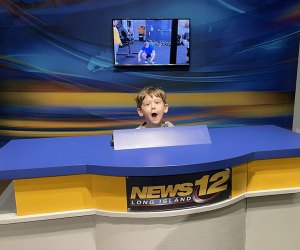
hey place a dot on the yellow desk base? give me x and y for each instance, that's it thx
(65, 193)
(108, 193)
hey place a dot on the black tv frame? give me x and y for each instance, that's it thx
(173, 49)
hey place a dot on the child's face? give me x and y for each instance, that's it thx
(153, 109)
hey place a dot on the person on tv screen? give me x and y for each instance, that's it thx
(117, 40)
(152, 105)
(185, 25)
(147, 51)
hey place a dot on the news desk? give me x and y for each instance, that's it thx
(70, 178)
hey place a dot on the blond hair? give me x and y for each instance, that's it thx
(151, 91)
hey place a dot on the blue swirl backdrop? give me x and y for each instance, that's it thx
(58, 78)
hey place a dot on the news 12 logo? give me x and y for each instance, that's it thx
(195, 190)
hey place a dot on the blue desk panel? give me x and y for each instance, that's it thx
(28, 158)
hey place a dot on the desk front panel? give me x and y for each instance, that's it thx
(110, 193)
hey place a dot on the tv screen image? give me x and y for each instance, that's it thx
(151, 42)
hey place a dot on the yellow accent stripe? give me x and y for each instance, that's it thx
(109, 193)
(65, 124)
(127, 99)
(74, 192)
(52, 133)
(266, 111)
(53, 194)
(239, 180)
(274, 174)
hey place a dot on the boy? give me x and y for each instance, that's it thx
(117, 40)
(147, 51)
(152, 105)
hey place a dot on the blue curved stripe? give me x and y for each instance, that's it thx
(231, 7)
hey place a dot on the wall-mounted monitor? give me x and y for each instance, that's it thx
(151, 42)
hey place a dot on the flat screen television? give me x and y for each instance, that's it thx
(151, 42)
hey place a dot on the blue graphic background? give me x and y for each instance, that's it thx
(57, 74)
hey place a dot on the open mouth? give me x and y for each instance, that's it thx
(154, 114)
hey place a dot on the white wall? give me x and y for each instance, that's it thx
(296, 122)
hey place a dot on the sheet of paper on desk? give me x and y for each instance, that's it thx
(160, 137)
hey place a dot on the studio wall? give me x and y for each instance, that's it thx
(296, 120)
(57, 76)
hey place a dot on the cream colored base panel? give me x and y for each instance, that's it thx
(62, 234)
(273, 222)
(219, 229)
(267, 223)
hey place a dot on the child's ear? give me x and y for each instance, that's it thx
(166, 108)
(140, 112)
